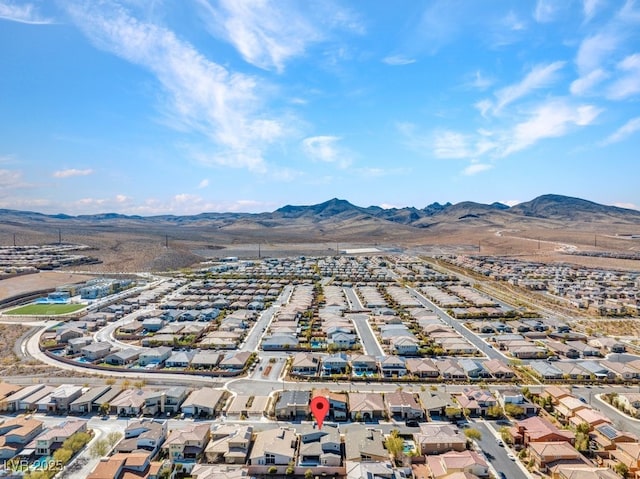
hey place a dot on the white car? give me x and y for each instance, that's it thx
(511, 456)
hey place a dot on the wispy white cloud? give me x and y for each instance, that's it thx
(626, 130)
(540, 76)
(595, 49)
(545, 11)
(327, 150)
(179, 204)
(552, 119)
(269, 33)
(69, 173)
(589, 8)
(629, 83)
(202, 96)
(10, 179)
(475, 168)
(450, 145)
(513, 22)
(23, 13)
(585, 84)
(479, 81)
(203, 184)
(398, 60)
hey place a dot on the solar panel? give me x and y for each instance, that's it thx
(609, 431)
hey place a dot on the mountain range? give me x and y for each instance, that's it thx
(553, 208)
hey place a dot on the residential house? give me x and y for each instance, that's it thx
(319, 447)
(335, 364)
(363, 365)
(366, 406)
(280, 342)
(476, 401)
(154, 356)
(95, 351)
(435, 403)
(122, 357)
(248, 406)
(143, 434)
(422, 368)
(582, 471)
(179, 359)
(498, 369)
(437, 438)
(6, 391)
(514, 396)
(589, 416)
(473, 369)
(186, 445)
(365, 445)
(545, 370)
(229, 444)
(206, 360)
(274, 447)
(234, 361)
(628, 453)
(83, 404)
(17, 433)
(203, 402)
(337, 403)
(555, 393)
(60, 399)
(51, 440)
(305, 364)
(549, 454)
(404, 405)
(370, 470)
(153, 324)
(129, 402)
(450, 369)
(392, 366)
(449, 463)
(607, 437)
(293, 405)
(64, 335)
(75, 345)
(404, 345)
(164, 401)
(128, 466)
(538, 429)
(568, 406)
(218, 471)
(31, 402)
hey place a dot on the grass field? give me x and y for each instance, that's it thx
(45, 309)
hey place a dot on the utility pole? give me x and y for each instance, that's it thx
(538, 242)
(59, 236)
(595, 241)
(14, 240)
(259, 253)
(166, 241)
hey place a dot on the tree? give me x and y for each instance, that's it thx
(513, 410)
(308, 474)
(125, 384)
(113, 438)
(621, 468)
(63, 455)
(272, 470)
(494, 411)
(99, 448)
(394, 444)
(105, 407)
(473, 434)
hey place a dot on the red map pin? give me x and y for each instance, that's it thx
(319, 409)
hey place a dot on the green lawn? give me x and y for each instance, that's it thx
(45, 309)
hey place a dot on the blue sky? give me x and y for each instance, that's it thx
(185, 106)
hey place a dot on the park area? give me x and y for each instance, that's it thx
(44, 309)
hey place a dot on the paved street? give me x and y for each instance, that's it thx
(495, 454)
(482, 346)
(367, 336)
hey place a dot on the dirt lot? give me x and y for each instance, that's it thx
(627, 327)
(38, 281)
